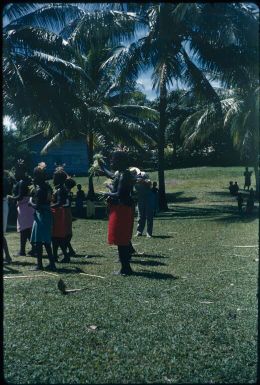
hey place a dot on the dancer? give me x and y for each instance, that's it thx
(60, 220)
(25, 213)
(41, 230)
(7, 189)
(121, 209)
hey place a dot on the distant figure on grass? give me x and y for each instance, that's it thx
(155, 192)
(25, 213)
(121, 208)
(250, 204)
(145, 204)
(69, 184)
(60, 216)
(247, 175)
(42, 225)
(80, 198)
(236, 188)
(240, 202)
(231, 187)
(7, 190)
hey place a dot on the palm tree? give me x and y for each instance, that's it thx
(232, 58)
(165, 49)
(241, 119)
(59, 81)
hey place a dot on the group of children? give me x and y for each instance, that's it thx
(234, 191)
(44, 215)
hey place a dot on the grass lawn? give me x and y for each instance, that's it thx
(188, 315)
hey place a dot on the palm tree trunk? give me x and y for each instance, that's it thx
(91, 192)
(161, 145)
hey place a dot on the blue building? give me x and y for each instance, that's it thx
(72, 152)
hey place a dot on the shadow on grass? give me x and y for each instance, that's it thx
(86, 262)
(154, 275)
(7, 269)
(214, 212)
(176, 197)
(87, 256)
(149, 256)
(65, 270)
(148, 263)
(162, 236)
(245, 218)
(22, 263)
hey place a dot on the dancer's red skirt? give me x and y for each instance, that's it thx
(59, 229)
(120, 224)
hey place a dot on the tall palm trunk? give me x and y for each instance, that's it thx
(91, 192)
(161, 145)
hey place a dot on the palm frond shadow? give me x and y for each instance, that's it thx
(176, 197)
(150, 256)
(22, 263)
(162, 236)
(8, 270)
(214, 212)
(154, 275)
(86, 262)
(148, 263)
(87, 256)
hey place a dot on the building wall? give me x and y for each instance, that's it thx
(73, 153)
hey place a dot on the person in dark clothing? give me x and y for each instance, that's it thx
(155, 192)
(60, 220)
(41, 229)
(69, 184)
(247, 175)
(80, 198)
(231, 187)
(121, 208)
(25, 213)
(235, 188)
(7, 190)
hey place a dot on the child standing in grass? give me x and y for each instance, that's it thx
(60, 219)
(25, 213)
(42, 225)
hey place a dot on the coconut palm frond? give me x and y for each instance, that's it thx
(201, 86)
(55, 141)
(141, 112)
(27, 39)
(52, 17)
(14, 11)
(99, 28)
(181, 10)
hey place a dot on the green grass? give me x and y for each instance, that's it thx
(189, 315)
